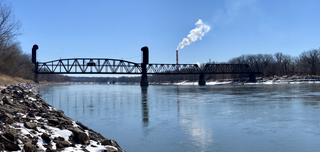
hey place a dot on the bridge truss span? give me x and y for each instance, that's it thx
(88, 66)
(115, 66)
(199, 69)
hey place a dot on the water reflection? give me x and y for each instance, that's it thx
(193, 118)
(178, 99)
(145, 109)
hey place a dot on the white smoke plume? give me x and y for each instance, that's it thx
(195, 34)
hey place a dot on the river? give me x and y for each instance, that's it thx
(247, 118)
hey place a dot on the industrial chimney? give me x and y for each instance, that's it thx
(177, 60)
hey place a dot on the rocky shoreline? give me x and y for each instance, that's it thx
(28, 123)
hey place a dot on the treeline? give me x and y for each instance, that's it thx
(13, 62)
(278, 64)
(307, 63)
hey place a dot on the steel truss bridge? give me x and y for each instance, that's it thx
(115, 66)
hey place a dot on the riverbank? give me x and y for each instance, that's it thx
(7, 80)
(28, 123)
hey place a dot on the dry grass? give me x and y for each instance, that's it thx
(6, 80)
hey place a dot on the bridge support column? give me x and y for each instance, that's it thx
(34, 61)
(202, 80)
(252, 78)
(144, 80)
(36, 73)
(145, 61)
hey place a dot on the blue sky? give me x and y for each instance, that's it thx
(118, 29)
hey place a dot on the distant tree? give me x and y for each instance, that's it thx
(310, 61)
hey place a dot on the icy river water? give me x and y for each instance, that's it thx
(247, 118)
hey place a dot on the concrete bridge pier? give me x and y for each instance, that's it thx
(202, 80)
(252, 78)
(145, 61)
(144, 80)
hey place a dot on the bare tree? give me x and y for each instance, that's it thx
(286, 64)
(9, 26)
(310, 61)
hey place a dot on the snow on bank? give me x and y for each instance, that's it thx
(267, 82)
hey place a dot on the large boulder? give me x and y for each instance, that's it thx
(9, 144)
(46, 137)
(6, 118)
(61, 143)
(1, 146)
(30, 125)
(82, 126)
(29, 148)
(111, 149)
(112, 143)
(7, 100)
(54, 122)
(80, 136)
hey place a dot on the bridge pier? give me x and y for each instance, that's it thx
(202, 80)
(34, 61)
(144, 80)
(145, 61)
(252, 78)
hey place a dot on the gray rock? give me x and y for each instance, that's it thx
(46, 137)
(34, 106)
(62, 143)
(110, 149)
(9, 144)
(55, 122)
(81, 125)
(9, 135)
(80, 136)
(1, 147)
(29, 148)
(30, 125)
(7, 100)
(6, 118)
(106, 142)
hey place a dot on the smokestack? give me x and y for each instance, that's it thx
(177, 59)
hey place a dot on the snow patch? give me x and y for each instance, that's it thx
(23, 115)
(74, 124)
(51, 108)
(19, 141)
(93, 147)
(56, 132)
(40, 144)
(32, 99)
